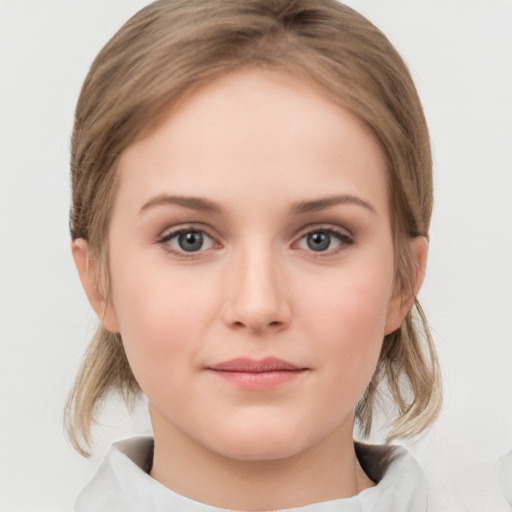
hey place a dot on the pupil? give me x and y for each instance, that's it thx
(318, 241)
(190, 241)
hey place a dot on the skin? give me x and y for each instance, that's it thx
(257, 145)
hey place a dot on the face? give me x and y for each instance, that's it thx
(251, 263)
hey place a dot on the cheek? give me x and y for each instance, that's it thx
(349, 322)
(353, 305)
(160, 320)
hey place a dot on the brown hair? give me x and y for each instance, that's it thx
(171, 46)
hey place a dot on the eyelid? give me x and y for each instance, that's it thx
(185, 226)
(172, 231)
(344, 236)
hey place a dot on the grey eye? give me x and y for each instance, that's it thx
(189, 240)
(324, 240)
(319, 241)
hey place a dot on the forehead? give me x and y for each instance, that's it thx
(246, 128)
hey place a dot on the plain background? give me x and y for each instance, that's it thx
(460, 54)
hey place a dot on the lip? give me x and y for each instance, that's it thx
(261, 374)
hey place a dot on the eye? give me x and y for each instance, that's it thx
(187, 241)
(324, 240)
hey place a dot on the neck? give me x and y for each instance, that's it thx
(326, 471)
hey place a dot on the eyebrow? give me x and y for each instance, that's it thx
(202, 204)
(193, 203)
(327, 202)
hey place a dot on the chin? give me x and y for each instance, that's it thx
(254, 451)
(262, 444)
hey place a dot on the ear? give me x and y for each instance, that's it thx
(403, 300)
(88, 277)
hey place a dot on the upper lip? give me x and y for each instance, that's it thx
(246, 365)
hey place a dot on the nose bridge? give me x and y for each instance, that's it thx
(257, 298)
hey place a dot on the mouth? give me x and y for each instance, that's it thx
(257, 374)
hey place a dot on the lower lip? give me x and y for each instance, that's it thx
(259, 380)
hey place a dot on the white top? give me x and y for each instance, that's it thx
(122, 484)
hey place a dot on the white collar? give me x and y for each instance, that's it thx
(121, 484)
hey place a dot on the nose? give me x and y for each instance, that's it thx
(257, 295)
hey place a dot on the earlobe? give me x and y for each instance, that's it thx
(88, 278)
(403, 301)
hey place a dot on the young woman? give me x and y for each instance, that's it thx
(252, 193)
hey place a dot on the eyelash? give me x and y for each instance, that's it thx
(164, 241)
(341, 236)
(345, 240)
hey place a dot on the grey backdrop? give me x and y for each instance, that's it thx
(460, 53)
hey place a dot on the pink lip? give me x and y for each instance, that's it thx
(262, 374)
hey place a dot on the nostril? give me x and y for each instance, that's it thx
(257, 327)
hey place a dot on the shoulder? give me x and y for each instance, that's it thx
(120, 478)
(456, 481)
(400, 481)
(431, 480)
